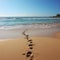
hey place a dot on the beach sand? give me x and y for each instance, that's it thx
(45, 48)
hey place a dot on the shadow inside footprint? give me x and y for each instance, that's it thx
(30, 47)
(29, 40)
(28, 54)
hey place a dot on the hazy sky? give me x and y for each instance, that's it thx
(29, 7)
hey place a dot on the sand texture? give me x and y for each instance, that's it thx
(44, 48)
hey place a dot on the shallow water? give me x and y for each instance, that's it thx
(21, 22)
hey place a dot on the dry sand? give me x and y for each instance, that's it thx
(12, 49)
(45, 48)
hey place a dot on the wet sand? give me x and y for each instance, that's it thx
(45, 48)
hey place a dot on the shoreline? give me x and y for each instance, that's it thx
(29, 26)
(32, 30)
(11, 34)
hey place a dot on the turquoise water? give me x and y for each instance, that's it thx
(21, 21)
(13, 27)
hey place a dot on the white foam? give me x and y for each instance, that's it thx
(29, 26)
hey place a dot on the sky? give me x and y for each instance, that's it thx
(29, 7)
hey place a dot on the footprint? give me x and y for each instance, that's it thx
(30, 44)
(29, 40)
(30, 47)
(28, 54)
(27, 37)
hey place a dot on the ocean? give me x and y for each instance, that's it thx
(24, 22)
